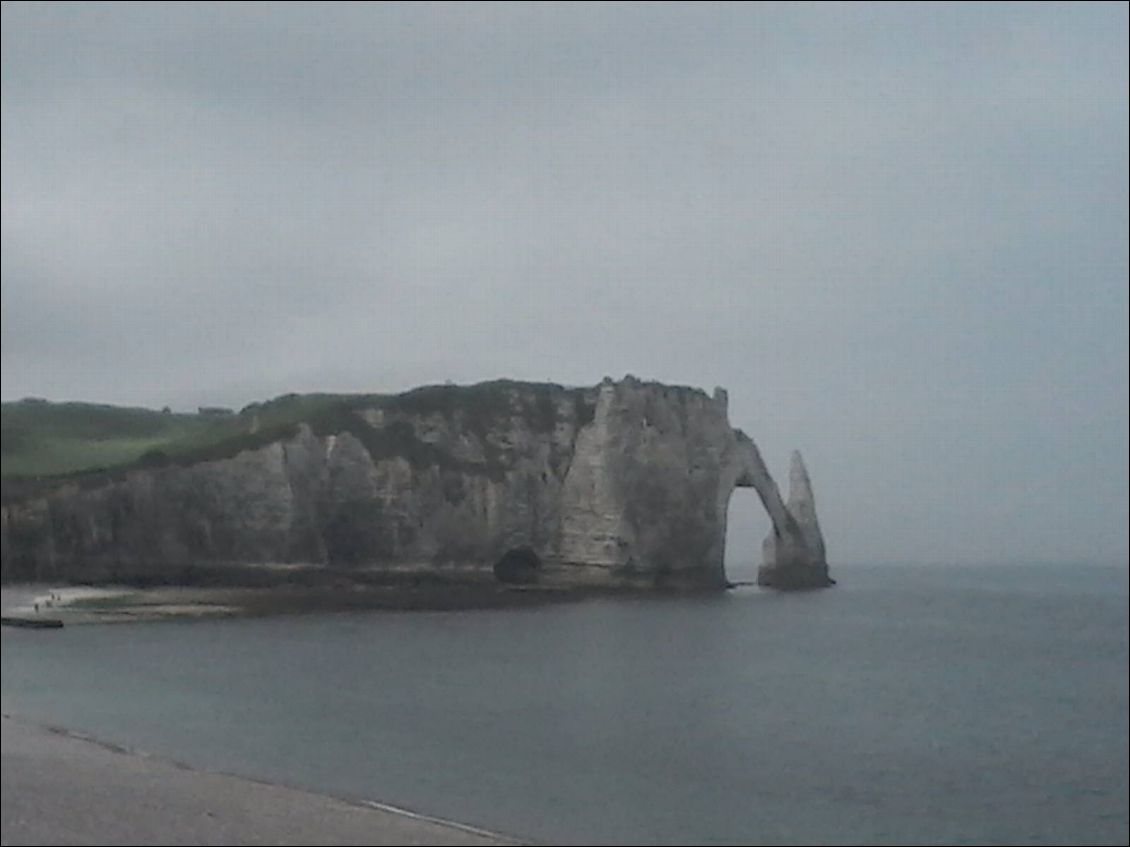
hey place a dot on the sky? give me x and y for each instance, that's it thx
(897, 234)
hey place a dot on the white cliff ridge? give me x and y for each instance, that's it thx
(622, 484)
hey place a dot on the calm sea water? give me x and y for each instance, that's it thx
(906, 706)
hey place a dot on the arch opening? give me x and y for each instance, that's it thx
(747, 525)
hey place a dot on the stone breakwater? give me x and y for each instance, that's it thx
(621, 484)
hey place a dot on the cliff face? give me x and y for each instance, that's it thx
(623, 483)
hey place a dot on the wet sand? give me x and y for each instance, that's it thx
(61, 789)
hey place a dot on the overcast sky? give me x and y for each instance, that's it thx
(896, 234)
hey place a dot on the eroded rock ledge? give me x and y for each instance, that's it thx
(621, 484)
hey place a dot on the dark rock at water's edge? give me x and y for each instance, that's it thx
(31, 623)
(621, 485)
(795, 578)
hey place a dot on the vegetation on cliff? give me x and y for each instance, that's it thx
(46, 439)
(50, 442)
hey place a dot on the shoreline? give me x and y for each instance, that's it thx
(65, 787)
(71, 604)
(81, 605)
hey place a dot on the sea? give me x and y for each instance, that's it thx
(907, 705)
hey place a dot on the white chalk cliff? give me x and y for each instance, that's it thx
(623, 484)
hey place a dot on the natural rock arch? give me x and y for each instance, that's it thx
(793, 553)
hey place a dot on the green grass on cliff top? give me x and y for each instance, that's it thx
(45, 439)
(42, 439)
(52, 440)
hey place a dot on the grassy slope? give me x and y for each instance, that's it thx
(57, 439)
(43, 439)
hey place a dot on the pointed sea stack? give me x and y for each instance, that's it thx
(795, 558)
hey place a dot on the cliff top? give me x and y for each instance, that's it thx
(53, 442)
